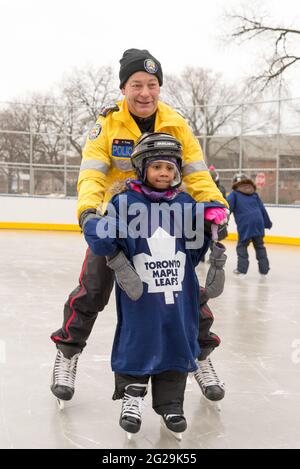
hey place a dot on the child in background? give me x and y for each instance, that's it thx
(251, 219)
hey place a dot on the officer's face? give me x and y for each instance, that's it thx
(142, 92)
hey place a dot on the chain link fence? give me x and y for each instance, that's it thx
(261, 139)
(40, 147)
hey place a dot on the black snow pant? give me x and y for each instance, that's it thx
(260, 251)
(167, 390)
(92, 295)
(207, 340)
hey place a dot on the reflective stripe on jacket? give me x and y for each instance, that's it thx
(106, 157)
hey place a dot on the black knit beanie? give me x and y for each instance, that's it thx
(136, 60)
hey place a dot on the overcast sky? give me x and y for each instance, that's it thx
(42, 40)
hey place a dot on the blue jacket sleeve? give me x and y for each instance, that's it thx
(196, 254)
(213, 204)
(267, 221)
(231, 201)
(107, 235)
(100, 234)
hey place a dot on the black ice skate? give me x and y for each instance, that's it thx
(175, 423)
(211, 386)
(131, 414)
(64, 374)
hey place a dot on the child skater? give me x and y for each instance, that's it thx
(157, 333)
(251, 219)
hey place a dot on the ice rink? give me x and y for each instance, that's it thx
(259, 358)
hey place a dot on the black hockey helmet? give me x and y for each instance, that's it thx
(157, 146)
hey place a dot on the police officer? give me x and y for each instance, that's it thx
(106, 158)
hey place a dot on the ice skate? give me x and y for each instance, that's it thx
(131, 414)
(238, 273)
(60, 404)
(64, 374)
(175, 424)
(210, 384)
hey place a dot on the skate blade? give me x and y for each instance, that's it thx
(60, 404)
(217, 406)
(213, 404)
(177, 436)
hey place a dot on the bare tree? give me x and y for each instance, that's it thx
(49, 130)
(14, 143)
(91, 89)
(281, 42)
(31, 140)
(211, 106)
(85, 93)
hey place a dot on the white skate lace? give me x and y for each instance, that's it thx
(65, 369)
(132, 406)
(169, 416)
(206, 375)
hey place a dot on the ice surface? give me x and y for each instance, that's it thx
(259, 358)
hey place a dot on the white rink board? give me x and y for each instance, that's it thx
(38, 210)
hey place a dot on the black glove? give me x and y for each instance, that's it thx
(126, 275)
(222, 230)
(86, 216)
(215, 278)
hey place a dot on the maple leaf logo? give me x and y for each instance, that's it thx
(164, 270)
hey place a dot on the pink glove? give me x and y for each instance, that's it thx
(216, 215)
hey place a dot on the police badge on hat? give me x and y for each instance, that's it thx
(150, 66)
(95, 131)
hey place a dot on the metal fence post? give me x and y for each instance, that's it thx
(278, 149)
(241, 140)
(65, 150)
(204, 135)
(31, 170)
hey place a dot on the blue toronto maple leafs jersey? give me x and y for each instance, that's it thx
(159, 332)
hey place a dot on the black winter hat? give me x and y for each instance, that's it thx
(240, 179)
(137, 60)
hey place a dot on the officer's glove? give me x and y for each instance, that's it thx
(126, 275)
(215, 278)
(87, 215)
(88, 222)
(222, 231)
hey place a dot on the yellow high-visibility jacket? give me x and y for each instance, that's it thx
(106, 157)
